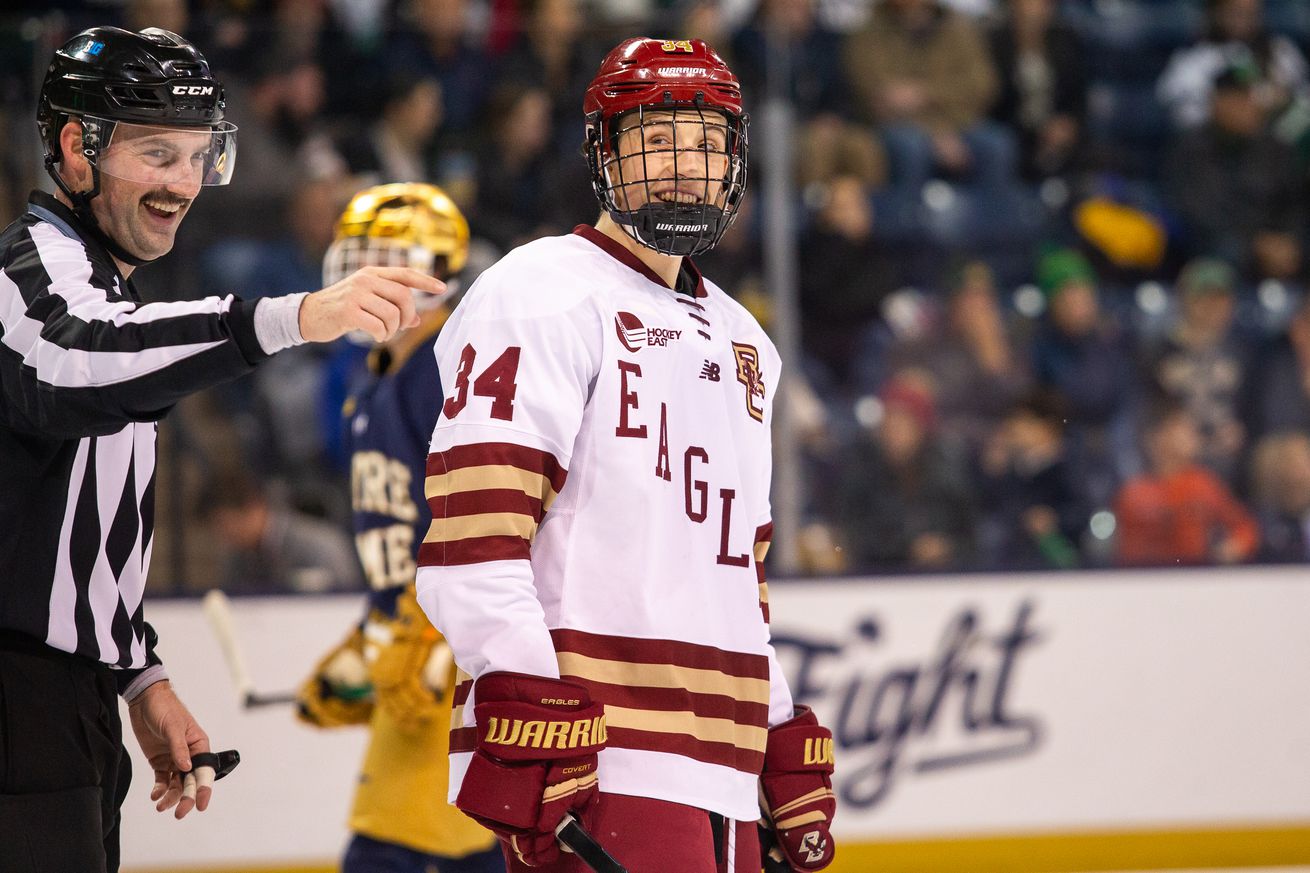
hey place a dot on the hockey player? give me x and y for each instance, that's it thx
(133, 128)
(394, 672)
(599, 487)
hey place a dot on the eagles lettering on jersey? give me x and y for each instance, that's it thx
(600, 511)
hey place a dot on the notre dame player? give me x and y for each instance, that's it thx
(394, 672)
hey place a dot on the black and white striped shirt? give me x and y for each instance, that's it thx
(86, 372)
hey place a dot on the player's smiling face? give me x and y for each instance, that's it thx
(671, 157)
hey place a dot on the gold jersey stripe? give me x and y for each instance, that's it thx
(490, 477)
(707, 730)
(761, 549)
(487, 524)
(694, 679)
(764, 592)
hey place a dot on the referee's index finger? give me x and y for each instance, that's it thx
(412, 278)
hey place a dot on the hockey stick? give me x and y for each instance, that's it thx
(219, 613)
(574, 837)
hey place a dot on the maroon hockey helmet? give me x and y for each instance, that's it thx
(642, 76)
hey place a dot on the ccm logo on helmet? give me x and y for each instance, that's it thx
(194, 90)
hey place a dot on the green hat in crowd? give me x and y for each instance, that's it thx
(1206, 275)
(1061, 267)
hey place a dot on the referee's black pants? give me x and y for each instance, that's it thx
(63, 770)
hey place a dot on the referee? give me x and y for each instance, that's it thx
(132, 126)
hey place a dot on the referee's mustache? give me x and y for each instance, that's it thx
(164, 197)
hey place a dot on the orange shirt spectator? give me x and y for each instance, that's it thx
(1179, 512)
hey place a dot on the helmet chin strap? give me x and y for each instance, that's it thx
(673, 229)
(81, 201)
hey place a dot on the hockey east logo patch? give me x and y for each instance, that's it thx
(636, 336)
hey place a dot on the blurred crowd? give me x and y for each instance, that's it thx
(1052, 256)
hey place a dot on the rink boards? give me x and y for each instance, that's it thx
(1097, 721)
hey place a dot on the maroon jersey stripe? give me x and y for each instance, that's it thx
(487, 500)
(764, 533)
(676, 700)
(510, 454)
(723, 754)
(473, 550)
(463, 739)
(674, 652)
(461, 695)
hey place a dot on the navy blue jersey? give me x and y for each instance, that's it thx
(390, 414)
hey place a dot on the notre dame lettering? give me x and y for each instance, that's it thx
(380, 485)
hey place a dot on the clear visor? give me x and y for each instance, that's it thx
(172, 156)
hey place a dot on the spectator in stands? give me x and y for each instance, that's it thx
(1235, 187)
(1277, 394)
(1201, 363)
(1235, 33)
(923, 73)
(397, 147)
(550, 54)
(846, 273)
(817, 85)
(903, 504)
(274, 548)
(1043, 95)
(977, 373)
(436, 42)
(1178, 512)
(522, 183)
(282, 139)
(829, 143)
(1281, 474)
(171, 15)
(1035, 513)
(1083, 357)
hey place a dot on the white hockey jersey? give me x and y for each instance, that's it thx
(599, 487)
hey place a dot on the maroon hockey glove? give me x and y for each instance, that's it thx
(535, 760)
(797, 791)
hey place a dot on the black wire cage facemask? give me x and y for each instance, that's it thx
(672, 175)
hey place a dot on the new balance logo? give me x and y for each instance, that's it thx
(710, 371)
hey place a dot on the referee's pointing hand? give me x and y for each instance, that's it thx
(376, 300)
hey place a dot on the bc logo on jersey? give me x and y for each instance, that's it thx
(635, 336)
(748, 374)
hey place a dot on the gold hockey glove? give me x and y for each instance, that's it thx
(408, 662)
(338, 692)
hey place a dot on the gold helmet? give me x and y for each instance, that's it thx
(406, 224)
